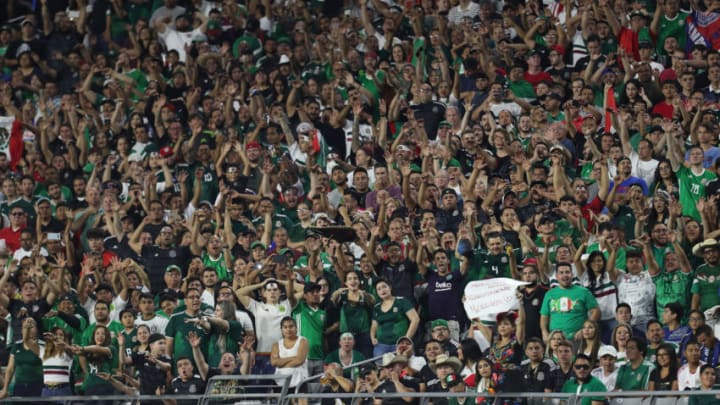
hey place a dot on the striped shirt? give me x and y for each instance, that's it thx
(56, 369)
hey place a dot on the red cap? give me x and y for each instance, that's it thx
(170, 106)
(252, 145)
(559, 49)
(667, 74)
(166, 151)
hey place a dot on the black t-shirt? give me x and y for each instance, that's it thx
(532, 303)
(157, 259)
(662, 383)
(121, 248)
(154, 229)
(536, 379)
(194, 386)
(37, 46)
(21, 310)
(151, 375)
(558, 378)
(401, 277)
(388, 386)
(436, 386)
(331, 401)
(432, 113)
(63, 42)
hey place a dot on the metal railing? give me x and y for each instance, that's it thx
(612, 398)
(273, 390)
(316, 377)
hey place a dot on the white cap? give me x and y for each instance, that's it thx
(607, 350)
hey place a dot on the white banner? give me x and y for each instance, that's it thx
(485, 299)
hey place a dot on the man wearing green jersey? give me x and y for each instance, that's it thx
(692, 179)
(182, 323)
(584, 381)
(311, 320)
(704, 288)
(567, 306)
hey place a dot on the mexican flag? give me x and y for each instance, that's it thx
(11, 139)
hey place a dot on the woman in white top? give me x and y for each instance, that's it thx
(289, 354)
(57, 363)
(268, 315)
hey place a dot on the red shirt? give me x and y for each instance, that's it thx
(536, 78)
(12, 238)
(594, 206)
(664, 109)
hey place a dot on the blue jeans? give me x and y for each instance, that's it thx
(57, 392)
(262, 365)
(382, 348)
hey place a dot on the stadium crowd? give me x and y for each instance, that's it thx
(193, 188)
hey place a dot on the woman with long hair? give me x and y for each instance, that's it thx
(225, 332)
(664, 376)
(485, 381)
(355, 307)
(57, 361)
(505, 349)
(598, 274)
(469, 353)
(25, 364)
(96, 358)
(554, 339)
(665, 178)
(393, 317)
(621, 334)
(289, 354)
(588, 343)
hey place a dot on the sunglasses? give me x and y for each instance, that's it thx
(582, 367)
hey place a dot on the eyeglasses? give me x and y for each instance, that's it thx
(17, 214)
(662, 354)
(192, 297)
(582, 367)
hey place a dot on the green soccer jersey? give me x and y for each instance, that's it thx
(311, 326)
(486, 265)
(706, 283)
(209, 182)
(56, 321)
(104, 365)
(219, 265)
(672, 287)
(671, 27)
(354, 315)
(567, 308)
(227, 342)
(178, 329)
(392, 323)
(573, 386)
(692, 189)
(28, 366)
(629, 379)
(115, 328)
